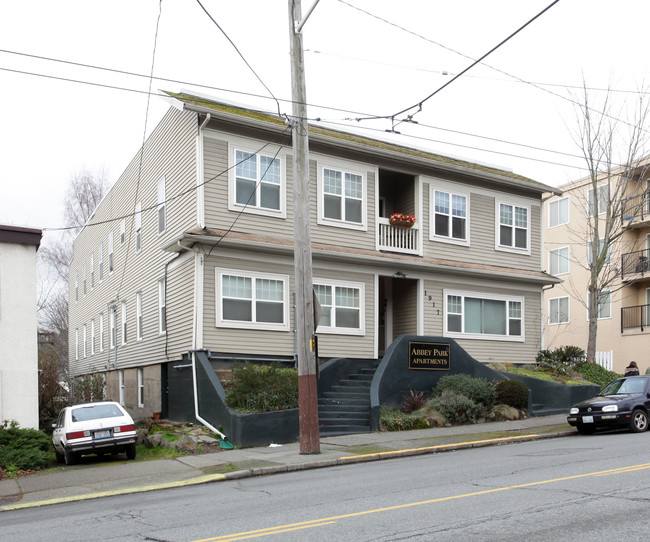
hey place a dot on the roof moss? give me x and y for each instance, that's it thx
(346, 136)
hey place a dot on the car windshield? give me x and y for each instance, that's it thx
(625, 386)
(95, 412)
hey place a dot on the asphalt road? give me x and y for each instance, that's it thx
(574, 488)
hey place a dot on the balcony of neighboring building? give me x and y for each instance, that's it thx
(635, 317)
(401, 233)
(635, 266)
(635, 210)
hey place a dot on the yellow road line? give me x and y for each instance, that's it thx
(125, 491)
(333, 519)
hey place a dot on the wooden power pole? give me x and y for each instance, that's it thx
(304, 312)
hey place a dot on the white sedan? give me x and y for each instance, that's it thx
(93, 428)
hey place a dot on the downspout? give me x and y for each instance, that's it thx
(196, 400)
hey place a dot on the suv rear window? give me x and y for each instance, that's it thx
(95, 412)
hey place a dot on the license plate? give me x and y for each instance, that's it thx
(587, 419)
(102, 434)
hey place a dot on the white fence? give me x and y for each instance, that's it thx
(605, 359)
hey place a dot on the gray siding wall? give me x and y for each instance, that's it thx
(169, 153)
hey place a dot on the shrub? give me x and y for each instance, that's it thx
(513, 393)
(595, 373)
(257, 388)
(561, 360)
(23, 449)
(505, 412)
(455, 407)
(413, 402)
(396, 420)
(479, 390)
(434, 417)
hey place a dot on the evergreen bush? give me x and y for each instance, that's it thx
(456, 407)
(479, 390)
(595, 373)
(513, 393)
(262, 388)
(23, 449)
(396, 420)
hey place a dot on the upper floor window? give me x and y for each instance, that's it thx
(257, 301)
(122, 231)
(138, 227)
(162, 306)
(161, 206)
(604, 304)
(481, 316)
(123, 322)
(342, 196)
(84, 281)
(600, 248)
(258, 182)
(92, 271)
(110, 252)
(101, 262)
(451, 215)
(76, 344)
(101, 332)
(76, 286)
(342, 307)
(111, 327)
(85, 339)
(514, 227)
(138, 316)
(558, 310)
(92, 337)
(558, 212)
(558, 261)
(598, 200)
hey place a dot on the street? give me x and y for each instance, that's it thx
(572, 488)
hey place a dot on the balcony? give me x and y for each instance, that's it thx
(635, 317)
(635, 265)
(635, 210)
(398, 238)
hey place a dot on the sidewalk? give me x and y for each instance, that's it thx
(91, 481)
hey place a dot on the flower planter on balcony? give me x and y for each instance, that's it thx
(405, 221)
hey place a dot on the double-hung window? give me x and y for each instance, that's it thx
(123, 322)
(138, 316)
(600, 248)
(138, 227)
(514, 227)
(252, 300)
(558, 261)
(451, 215)
(92, 271)
(84, 281)
(558, 310)
(161, 206)
(342, 197)
(101, 332)
(162, 306)
(342, 307)
(140, 372)
(92, 337)
(604, 304)
(110, 252)
(122, 231)
(558, 212)
(111, 328)
(472, 315)
(258, 182)
(598, 200)
(101, 262)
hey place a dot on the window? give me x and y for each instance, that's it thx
(138, 316)
(110, 252)
(101, 332)
(112, 330)
(258, 181)
(92, 337)
(122, 231)
(92, 271)
(162, 306)
(84, 281)
(120, 375)
(76, 343)
(138, 227)
(85, 339)
(450, 215)
(140, 372)
(601, 244)
(558, 212)
(254, 301)
(486, 317)
(342, 307)
(604, 304)
(598, 204)
(161, 205)
(558, 261)
(123, 322)
(558, 310)
(101, 262)
(342, 194)
(76, 286)
(513, 226)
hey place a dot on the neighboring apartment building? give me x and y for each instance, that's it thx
(624, 304)
(192, 248)
(18, 325)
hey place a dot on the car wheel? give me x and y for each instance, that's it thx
(59, 456)
(586, 429)
(638, 421)
(69, 455)
(130, 451)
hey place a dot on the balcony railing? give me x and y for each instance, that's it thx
(635, 263)
(398, 238)
(636, 208)
(635, 317)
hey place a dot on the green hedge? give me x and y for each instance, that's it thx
(262, 388)
(479, 390)
(23, 449)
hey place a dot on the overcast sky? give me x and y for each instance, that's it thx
(363, 58)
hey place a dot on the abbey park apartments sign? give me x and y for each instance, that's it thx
(429, 356)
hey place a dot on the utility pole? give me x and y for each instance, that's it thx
(304, 313)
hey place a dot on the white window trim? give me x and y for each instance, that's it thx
(138, 227)
(432, 213)
(568, 212)
(85, 343)
(220, 322)
(92, 272)
(361, 330)
(123, 327)
(497, 227)
(92, 337)
(112, 328)
(590, 255)
(609, 292)
(140, 373)
(76, 344)
(162, 305)
(568, 263)
(257, 148)
(344, 167)
(568, 311)
(138, 316)
(162, 204)
(601, 210)
(122, 231)
(111, 256)
(101, 332)
(101, 263)
(120, 374)
(481, 336)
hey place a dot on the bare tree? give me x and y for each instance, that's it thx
(614, 151)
